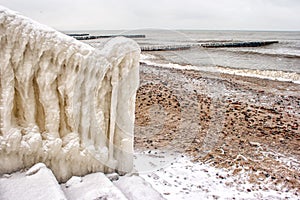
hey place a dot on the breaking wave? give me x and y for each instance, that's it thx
(265, 52)
(263, 74)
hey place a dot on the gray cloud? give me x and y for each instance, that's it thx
(173, 14)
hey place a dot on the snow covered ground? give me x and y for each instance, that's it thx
(176, 177)
(173, 176)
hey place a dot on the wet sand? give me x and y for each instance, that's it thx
(239, 123)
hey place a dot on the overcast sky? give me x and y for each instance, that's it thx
(166, 14)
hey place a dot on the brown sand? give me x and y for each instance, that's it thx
(232, 122)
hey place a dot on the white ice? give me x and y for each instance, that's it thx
(135, 188)
(92, 186)
(37, 183)
(64, 103)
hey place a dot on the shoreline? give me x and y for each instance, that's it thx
(273, 75)
(232, 122)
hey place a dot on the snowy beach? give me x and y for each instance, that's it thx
(172, 101)
(247, 126)
(232, 111)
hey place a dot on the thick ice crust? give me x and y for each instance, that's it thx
(63, 102)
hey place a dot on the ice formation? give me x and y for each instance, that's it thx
(64, 103)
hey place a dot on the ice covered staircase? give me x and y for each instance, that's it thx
(39, 183)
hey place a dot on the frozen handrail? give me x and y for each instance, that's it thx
(63, 102)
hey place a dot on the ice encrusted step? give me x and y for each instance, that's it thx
(135, 188)
(90, 187)
(37, 183)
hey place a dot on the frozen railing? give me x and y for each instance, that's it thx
(63, 102)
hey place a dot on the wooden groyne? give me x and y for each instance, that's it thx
(205, 45)
(238, 44)
(77, 34)
(165, 47)
(92, 37)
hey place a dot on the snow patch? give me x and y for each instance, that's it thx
(183, 179)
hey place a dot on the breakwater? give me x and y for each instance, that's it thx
(92, 37)
(206, 45)
(238, 44)
(165, 47)
(77, 34)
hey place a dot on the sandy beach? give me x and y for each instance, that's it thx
(244, 124)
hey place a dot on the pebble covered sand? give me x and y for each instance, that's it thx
(247, 125)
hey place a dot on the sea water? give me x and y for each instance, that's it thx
(280, 61)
